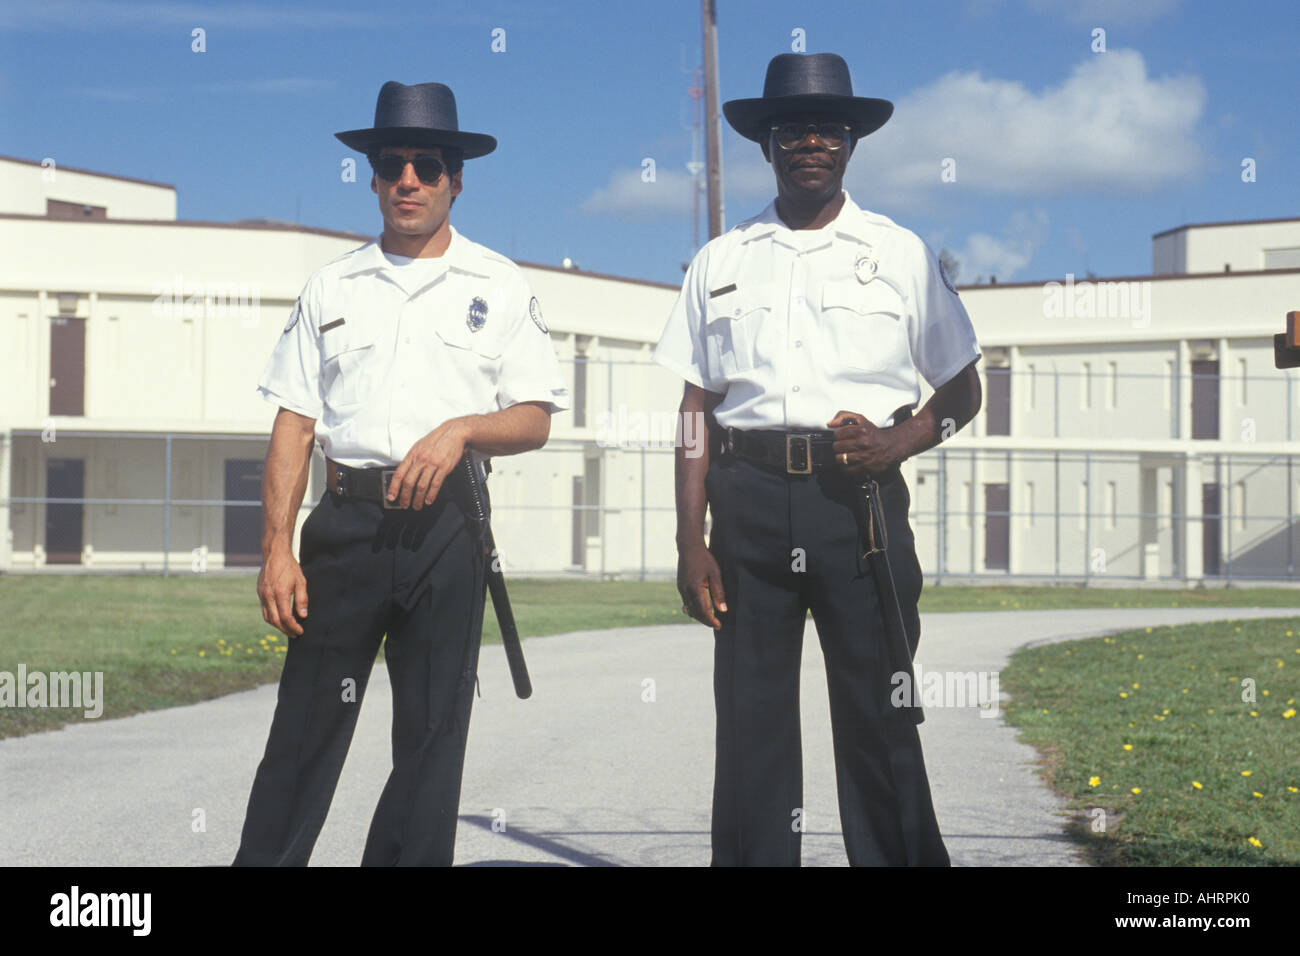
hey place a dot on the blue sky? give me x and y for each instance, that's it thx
(1066, 159)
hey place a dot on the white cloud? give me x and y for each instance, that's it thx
(1003, 256)
(627, 196)
(1107, 128)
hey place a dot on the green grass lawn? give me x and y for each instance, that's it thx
(1150, 727)
(167, 641)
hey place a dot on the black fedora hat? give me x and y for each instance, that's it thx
(419, 115)
(799, 82)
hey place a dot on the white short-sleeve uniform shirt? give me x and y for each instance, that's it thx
(791, 326)
(382, 349)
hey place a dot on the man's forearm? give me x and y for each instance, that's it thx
(949, 409)
(690, 465)
(284, 480)
(510, 431)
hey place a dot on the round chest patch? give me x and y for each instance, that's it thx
(535, 311)
(293, 316)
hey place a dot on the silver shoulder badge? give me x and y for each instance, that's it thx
(294, 316)
(943, 272)
(535, 311)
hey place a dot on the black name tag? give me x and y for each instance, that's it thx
(330, 325)
(723, 291)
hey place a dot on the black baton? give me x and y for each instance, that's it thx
(496, 580)
(869, 514)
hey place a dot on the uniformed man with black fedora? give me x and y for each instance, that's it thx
(802, 335)
(398, 357)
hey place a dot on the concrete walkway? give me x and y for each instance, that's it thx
(586, 773)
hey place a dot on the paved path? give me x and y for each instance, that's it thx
(586, 772)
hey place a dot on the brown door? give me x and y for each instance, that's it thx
(64, 478)
(242, 524)
(997, 527)
(67, 365)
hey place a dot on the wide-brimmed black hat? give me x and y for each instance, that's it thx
(419, 115)
(798, 82)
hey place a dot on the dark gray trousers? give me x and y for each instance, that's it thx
(760, 518)
(417, 576)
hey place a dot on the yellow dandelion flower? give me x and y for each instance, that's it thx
(1253, 842)
(1288, 714)
(1184, 690)
(1247, 773)
(1165, 711)
(1148, 630)
(1137, 790)
(1123, 694)
(1128, 746)
(1293, 790)
(1197, 785)
(203, 653)
(1257, 793)
(1136, 686)
(1094, 781)
(1254, 713)
(1140, 656)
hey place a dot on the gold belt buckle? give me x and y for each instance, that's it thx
(385, 477)
(791, 467)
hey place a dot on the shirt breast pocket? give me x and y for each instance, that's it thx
(862, 326)
(467, 345)
(733, 322)
(347, 363)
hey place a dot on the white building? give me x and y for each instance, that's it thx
(1132, 427)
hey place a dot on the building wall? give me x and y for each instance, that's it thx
(25, 187)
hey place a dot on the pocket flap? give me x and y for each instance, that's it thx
(459, 336)
(741, 302)
(874, 296)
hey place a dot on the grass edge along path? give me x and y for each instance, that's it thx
(1161, 760)
(167, 642)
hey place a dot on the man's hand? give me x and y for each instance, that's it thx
(699, 581)
(870, 450)
(426, 466)
(283, 591)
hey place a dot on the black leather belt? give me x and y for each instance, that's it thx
(370, 484)
(794, 453)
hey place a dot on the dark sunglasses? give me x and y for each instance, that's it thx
(391, 167)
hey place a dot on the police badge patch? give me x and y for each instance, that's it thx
(477, 317)
(293, 316)
(535, 311)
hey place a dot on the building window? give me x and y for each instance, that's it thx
(1205, 399)
(997, 526)
(1033, 386)
(998, 421)
(580, 391)
(1112, 384)
(1085, 383)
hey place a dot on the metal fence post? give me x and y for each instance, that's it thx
(167, 508)
(1087, 517)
